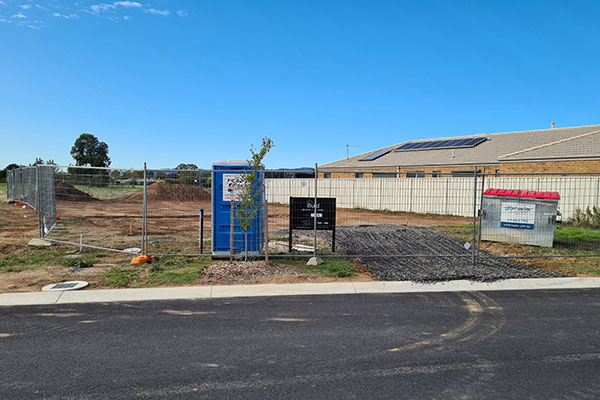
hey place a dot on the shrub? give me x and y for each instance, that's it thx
(590, 218)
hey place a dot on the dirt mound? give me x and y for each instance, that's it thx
(68, 192)
(172, 192)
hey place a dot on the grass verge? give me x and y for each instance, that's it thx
(331, 267)
(568, 241)
(32, 258)
(177, 270)
(121, 277)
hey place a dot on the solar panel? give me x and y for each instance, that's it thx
(440, 144)
(375, 155)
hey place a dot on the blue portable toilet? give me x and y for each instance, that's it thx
(224, 179)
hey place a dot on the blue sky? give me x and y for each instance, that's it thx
(199, 81)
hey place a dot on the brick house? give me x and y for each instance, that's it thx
(560, 150)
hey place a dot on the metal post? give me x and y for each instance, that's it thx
(266, 221)
(81, 242)
(480, 212)
(231, 232)
(145, 216)
(201, 230)
(315, 212)
(447, 184)
(37, 199)
(474, 214)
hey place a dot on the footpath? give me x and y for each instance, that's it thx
(299, 289)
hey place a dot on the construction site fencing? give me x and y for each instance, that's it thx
(169, 212)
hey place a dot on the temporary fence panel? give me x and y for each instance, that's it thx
(178, 211)
(442, 195)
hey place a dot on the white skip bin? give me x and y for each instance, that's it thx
(519, 216)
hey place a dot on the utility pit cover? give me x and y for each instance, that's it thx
(63, 286)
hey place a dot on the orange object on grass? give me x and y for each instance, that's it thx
(142, 260)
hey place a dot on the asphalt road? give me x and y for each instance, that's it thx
(494, 345)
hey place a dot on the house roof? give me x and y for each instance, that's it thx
(559, 143)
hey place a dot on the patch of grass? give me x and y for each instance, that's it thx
(279, 236)
(176, 275)
(121, 277)
(31, 259)
(177, 270)
(78, 263)
(3, 188)
(585, 265)
(331, 267)
(574, 233)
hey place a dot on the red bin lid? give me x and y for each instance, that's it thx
(530, 194)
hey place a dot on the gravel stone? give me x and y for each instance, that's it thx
(382, 247)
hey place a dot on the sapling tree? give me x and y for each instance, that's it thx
(251, 191)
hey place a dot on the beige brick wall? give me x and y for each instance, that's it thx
(551, 166)
(505, 168)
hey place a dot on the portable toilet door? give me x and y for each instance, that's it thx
(225, 184)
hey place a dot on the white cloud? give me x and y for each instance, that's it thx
(182, 13)
(19, 15)
(126, 17)
(26, 6)
(98, 8)
(2, 3)
(154, 11)
(66, 16)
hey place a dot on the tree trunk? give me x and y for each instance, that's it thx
(246, 244)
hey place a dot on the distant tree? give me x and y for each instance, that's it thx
(89, 151)
(4, 172)
(189, 174)
(187, 166)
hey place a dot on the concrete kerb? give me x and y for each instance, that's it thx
(300, 289)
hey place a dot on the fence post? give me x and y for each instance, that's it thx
(266, 216)
(474, 215)
(480, 207)
(201, 227)
(315, 212)
(144, 216)
(447, 184)
(38, 183)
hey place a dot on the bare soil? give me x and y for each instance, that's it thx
(171, 192)
(68, 192)
(174, 224)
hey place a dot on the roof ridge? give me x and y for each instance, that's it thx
(549, 144)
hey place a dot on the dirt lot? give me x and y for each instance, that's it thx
(173, 227)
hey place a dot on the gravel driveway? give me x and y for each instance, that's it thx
(389, 240)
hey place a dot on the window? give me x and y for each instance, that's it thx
(326, 174)
(436, 174)
(358, 174)
(384, 174)
(464, 174)
(497, 172)
(415, 174)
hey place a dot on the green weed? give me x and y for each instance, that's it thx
(121, 277)
(332, 266)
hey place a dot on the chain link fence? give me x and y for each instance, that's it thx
(384, 215)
